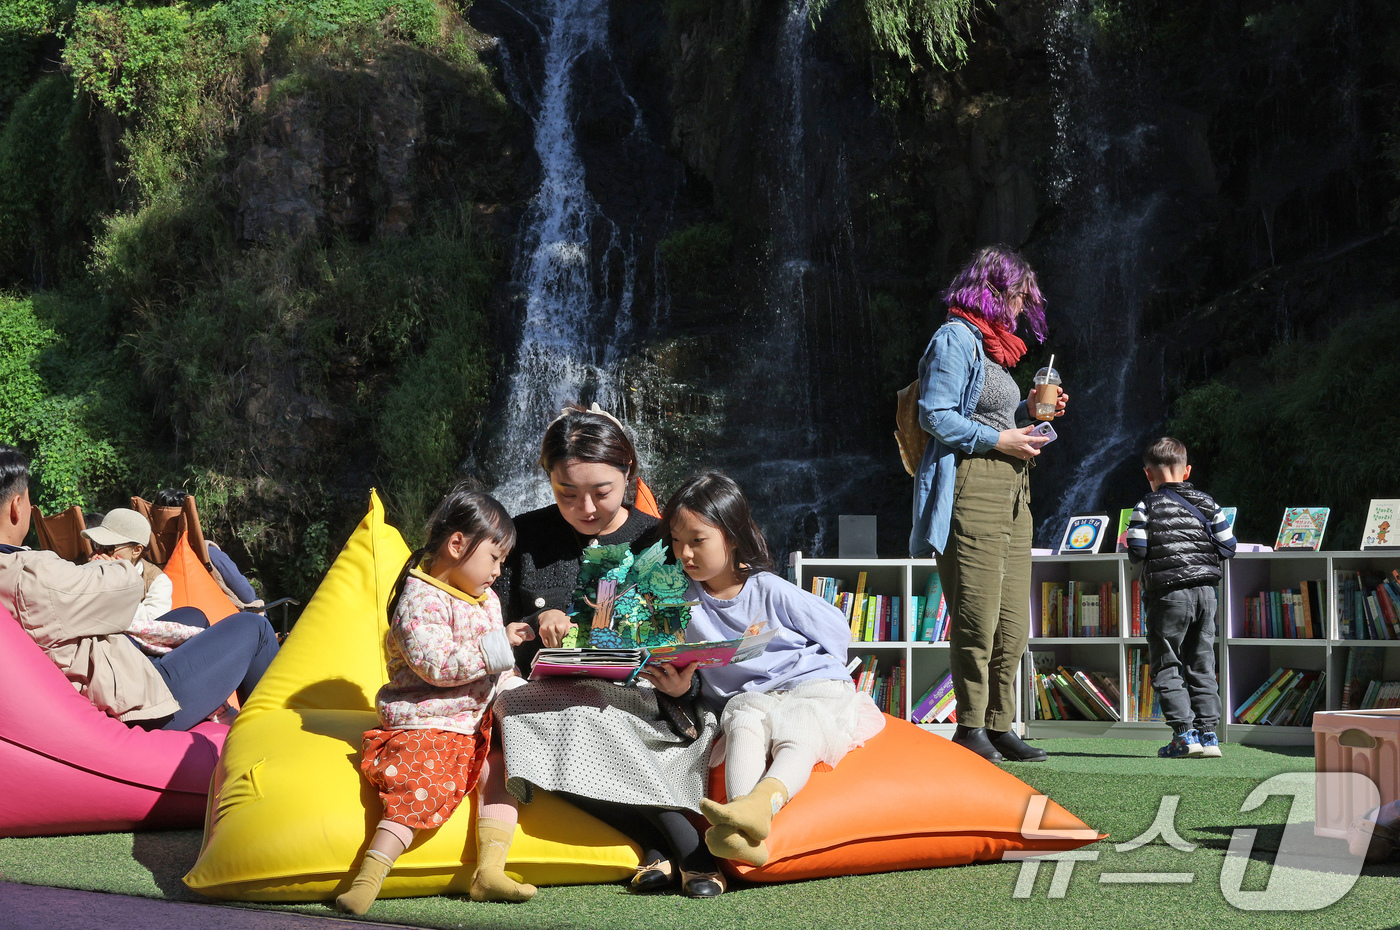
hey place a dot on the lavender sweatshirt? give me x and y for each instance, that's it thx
(811, 642)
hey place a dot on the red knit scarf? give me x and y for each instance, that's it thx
(1004, 346)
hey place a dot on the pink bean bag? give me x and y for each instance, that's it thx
(67, 767)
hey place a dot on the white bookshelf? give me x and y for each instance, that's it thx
(924, 663)
(1242, 662)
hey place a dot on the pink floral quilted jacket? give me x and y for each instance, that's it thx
(448, 653)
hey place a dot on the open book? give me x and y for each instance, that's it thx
(624, 664)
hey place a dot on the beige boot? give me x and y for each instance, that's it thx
(752, 815)
(365, 888)
(491, 883)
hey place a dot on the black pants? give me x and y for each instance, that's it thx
(662, 833)
(1181, 643)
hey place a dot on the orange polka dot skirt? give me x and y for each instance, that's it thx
(423, 774)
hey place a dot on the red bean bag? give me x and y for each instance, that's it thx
(907, 799)
(67, 767)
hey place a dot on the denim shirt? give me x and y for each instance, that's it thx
(951, 375)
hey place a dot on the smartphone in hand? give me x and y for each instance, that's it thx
(1045, 429)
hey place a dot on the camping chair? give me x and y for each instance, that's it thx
(63, 533)
(168, 523)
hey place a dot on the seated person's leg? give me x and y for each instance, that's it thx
(232, 576)
(229, 656)
(188, 616)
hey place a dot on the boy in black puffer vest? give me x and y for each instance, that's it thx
(1181, 536)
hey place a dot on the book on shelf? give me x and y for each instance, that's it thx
(933, 618)
(884, 682)
(1143, 704)
(1287, 698)
(1364, 664)
(1302, 528)
(1066, 693)
(1382, 529)
(938, 704)
(1368, 603)
(1135, 609)
(873, 618)
(1287, 614)
(1078, 609)
(1381, 695)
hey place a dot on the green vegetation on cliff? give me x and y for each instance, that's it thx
(240, 243)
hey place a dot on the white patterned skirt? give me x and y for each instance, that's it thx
(827, 715)
(603, 741)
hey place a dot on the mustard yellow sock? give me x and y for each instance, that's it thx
(728, 842)
(752, 814)
(365, 888)
(490, 882)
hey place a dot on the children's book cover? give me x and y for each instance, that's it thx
(1229, 513)
(1382, 525)
(1302, 528)
(1084, 533)
(1124, 517)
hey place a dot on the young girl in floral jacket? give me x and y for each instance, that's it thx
(449, 655)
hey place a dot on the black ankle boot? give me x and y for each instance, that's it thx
(975, 738)
(1013, 748)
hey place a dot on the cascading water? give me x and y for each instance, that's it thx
(571, 341)
(1101, 268)
(786, 461)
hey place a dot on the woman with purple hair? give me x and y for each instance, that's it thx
(972, 491)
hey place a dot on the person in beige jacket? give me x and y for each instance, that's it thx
(78, 615)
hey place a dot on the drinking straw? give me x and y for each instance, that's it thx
(1051, 366)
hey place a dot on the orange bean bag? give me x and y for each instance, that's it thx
(907, 799)
(193, 586)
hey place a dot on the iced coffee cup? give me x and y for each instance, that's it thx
(1045, 395)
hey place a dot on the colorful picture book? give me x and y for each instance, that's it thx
(1078, 608)
(1066, 693)
(938, 705)
(1143, 705)
(1124, 518)
(1085, 532)
(1287, 614)
(1382, 530)
(1302, 528)
(623, 664)
(1230, 514)
(1368, 603)
(884, 682)
(874, 618)
(1364, 665)
(1287, 698)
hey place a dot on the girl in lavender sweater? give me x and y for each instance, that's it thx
(784, 712)
(449, 655)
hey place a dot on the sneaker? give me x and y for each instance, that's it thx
(1182, 745)
(1210, 745)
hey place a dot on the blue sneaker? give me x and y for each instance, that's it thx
(1210, 745)
(1184, 745)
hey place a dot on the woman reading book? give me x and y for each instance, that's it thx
(615, 752)
(972, 490)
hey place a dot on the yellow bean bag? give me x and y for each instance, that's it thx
(289, 814)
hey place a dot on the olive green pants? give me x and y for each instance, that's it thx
(986, 574)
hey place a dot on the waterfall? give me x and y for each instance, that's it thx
(1101, 267)
(571, 342)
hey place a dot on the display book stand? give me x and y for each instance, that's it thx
(1242, 663)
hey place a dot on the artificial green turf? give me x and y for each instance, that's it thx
(1115, 786)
